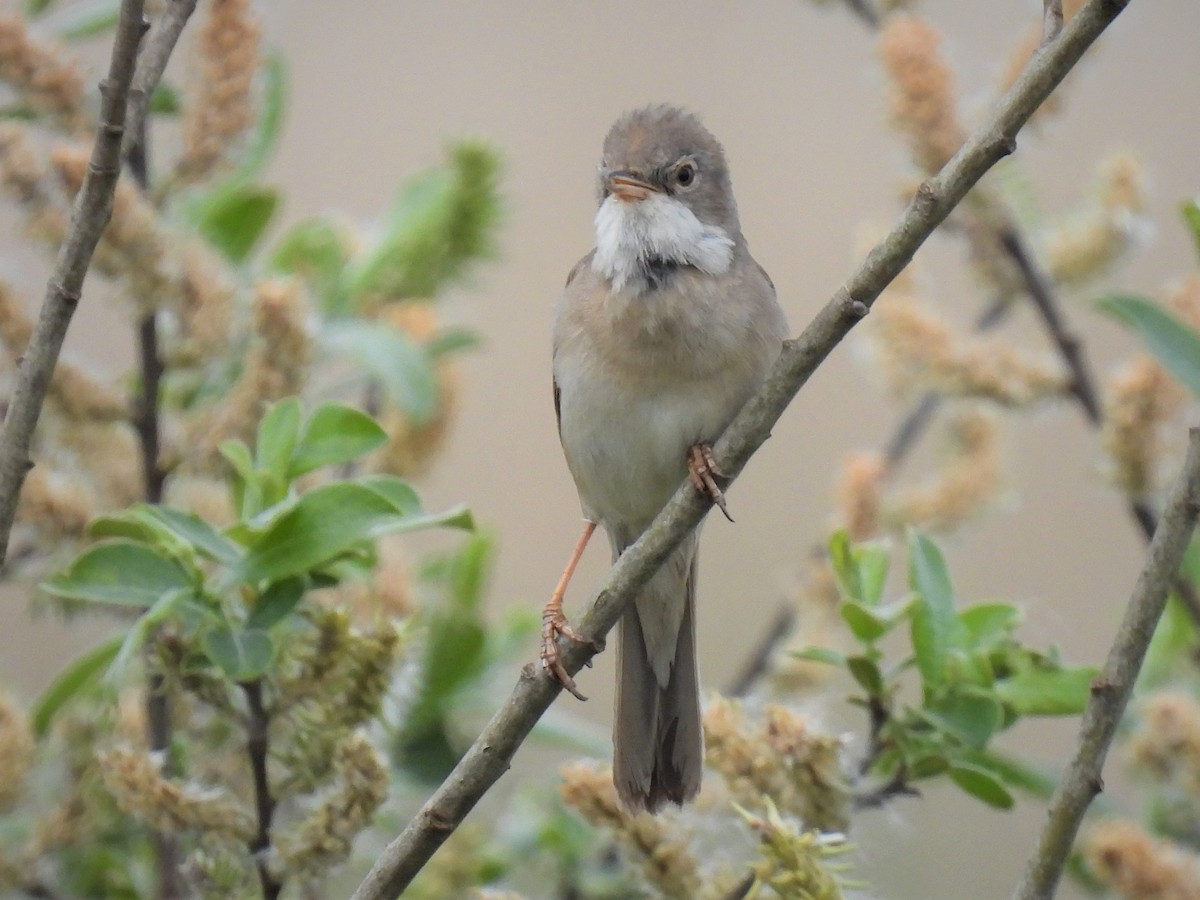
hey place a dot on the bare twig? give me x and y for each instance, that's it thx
(1083, 386)
(489, 757)
(865, 10)
(92, 209)
(1037, 285)
(1112, 688)
(146, 421)
(152, 62)
(1052, 20)
(257, 747)
(758, 663)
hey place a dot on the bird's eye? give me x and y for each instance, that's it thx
(685, 175)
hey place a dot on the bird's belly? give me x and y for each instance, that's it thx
(628, 450)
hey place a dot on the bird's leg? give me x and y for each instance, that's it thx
(554, 622)
(701, 469)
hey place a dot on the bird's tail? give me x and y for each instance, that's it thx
(658, 747)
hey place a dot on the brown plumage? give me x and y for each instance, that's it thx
(661, 334)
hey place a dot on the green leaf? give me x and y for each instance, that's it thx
(1013, 772)
(242, 655)
(140, 631)
(928, 766)
(85, 20)
(34, 8)
(197, 533)
(395, 490)
(328, 521)
(1047, 692)
(872, 561)
(988, 624)
(866, 626)
(165, 100)
(276, 603)
(866, 673)
(272, 100)
(245, 487)
(451, 340)
(121, 573)
(821, 655)
(400, 365)
(1167, 337)
(933, 620)
(970, 716)
(980, 784)
(315, 251)
(454, 653)
(277, 435)
(234, 217)
(442, 222)
(842, 558)
(333, 435)
(78, 674)
(1191, 215)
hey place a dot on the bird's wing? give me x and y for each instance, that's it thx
(575, 270)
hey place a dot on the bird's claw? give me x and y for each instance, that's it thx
(703, 471)
(555, 623)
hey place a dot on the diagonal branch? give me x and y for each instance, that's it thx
(90, 215)
(490, 756)
(152, 62)
(1112, 688)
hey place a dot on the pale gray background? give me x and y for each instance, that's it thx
(795, 93)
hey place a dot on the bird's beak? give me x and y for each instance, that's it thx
(629, 187)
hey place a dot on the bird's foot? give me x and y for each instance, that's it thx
(703, 471)
(555, 623)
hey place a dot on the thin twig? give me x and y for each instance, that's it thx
(491, 754)
(896, 786)
(1037, 285)
(264, 804)
(1083, 386)
(1112, 688)
(914, 423)
(91, 212)
(152, 62)
(865, 10)
(146, 421)
(759, 661)
(1052, 20)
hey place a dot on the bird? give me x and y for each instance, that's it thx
(660, 335)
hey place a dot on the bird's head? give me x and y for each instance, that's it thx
(665, 200)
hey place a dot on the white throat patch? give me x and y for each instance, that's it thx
(630, 235)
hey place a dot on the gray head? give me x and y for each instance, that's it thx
(665, 200)
(668, 149)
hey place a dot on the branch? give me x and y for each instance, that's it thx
(1037, 285)
(758, 663)
(90, 214)
(1083, 386)
(257, 747)
(1052, 20)
(152, 62)
(490, 756)
(1112, 689)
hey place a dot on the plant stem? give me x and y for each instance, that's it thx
(1112, 688)
(257, 746)
(89, 216)
(491, 754)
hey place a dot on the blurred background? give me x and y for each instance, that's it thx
(795, 92)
